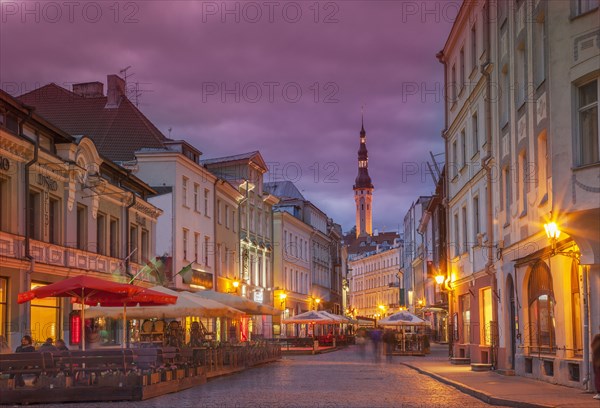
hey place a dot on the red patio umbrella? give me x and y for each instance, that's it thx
(145, 297)
(87, 290)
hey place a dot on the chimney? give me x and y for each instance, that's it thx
(89, 89)
(115, 91)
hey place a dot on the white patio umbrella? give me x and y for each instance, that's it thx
(187, 305)
(310, 317)
(403, 319)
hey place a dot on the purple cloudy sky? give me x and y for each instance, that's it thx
(228, 76)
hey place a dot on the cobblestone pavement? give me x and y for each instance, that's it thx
(334, 380)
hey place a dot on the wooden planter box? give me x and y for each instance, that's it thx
(54, 382)
(152, 378)
(118, 380)
(167, 375)
(7, 384)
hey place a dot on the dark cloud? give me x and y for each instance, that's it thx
(185, 58)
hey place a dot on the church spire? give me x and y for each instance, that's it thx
(363, 187)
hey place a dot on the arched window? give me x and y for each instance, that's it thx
(575, 308)
(541, 308)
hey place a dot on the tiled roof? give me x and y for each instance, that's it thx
(117, 133)
(160, 190)
(283, 189)
(243, 156)
(368, 243)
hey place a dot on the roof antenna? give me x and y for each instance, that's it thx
(125, 75)
(170, 132)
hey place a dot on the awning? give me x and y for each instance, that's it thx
(239, 302)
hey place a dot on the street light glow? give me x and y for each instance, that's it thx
(439, 279)
(552, 231)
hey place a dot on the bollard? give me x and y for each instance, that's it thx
(315, 346)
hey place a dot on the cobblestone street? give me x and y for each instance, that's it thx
(339, 379)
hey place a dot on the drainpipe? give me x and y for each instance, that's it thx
(441, 58)
(27, 282)
(217, 262)
(586, 328)
(127, 237)
(486, 70)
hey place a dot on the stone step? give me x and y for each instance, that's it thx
(460, 360)
(506, 371)
(480, 367)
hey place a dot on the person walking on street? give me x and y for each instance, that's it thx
(596, 363)
(389, 338)
(376, 336)
(361, 342)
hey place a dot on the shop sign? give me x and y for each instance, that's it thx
(199, 278)
(258, 296)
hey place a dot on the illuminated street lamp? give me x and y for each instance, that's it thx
(553, 233)
(282, 297)
(439, 279)
(235, 284)
(317, 301)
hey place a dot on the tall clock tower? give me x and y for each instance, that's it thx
(363, 190)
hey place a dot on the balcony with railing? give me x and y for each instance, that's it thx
(13, 247)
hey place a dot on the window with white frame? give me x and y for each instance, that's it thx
(114, 244)
(196, 246)
(227, 222)
(81, 226)
(453, 85)
(504, 96)
(587, 135)
(219, 211)
(463, 79)
(54, 220)
(474, 47)
(454, 164)
(542, 163)
(35, 215)
(5, 204)
(584, 6)
(506, 186)
(145, 245)
(539, 49)
(206, 196)
(101, 233)
(184, 244)
(134, 250)
(476, 217)
(456, 236)
(520, 85)
(196, 197)
(463, 149)
(465, 246)
(207, 250)
(523, 181)
(475, 132)
(184, 191)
